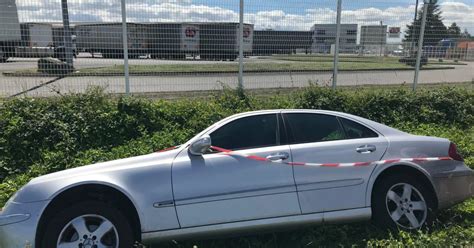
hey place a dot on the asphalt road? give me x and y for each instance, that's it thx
(34, 86)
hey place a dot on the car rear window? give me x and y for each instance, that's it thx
(247, 132)
(355, 130)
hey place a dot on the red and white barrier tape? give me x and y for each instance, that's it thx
(356, 164)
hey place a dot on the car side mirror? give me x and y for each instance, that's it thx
(200, 146)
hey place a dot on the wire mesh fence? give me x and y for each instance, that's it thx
(50, 47)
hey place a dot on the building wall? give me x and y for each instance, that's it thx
(324, 35)
(268, 42)
(373, 35)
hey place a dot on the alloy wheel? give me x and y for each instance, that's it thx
(406, 206)
(89, 231)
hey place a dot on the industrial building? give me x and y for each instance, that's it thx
(324, 36)
(373, 38)
(267, 42)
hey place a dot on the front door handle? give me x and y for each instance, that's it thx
(278, 156)
(366, 149)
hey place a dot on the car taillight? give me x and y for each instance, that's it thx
(453, 152)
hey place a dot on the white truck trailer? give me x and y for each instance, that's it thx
(106, 38)
(9, 29)
(36, 40)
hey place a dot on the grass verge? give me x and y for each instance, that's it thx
(231, 67)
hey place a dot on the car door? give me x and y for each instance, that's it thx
(329, 139)
(228, 187)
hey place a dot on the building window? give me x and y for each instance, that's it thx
(321, 32)
(320, 40)
(351, 32)
(351, 41)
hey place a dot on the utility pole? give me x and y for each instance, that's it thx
(67, 34)
(125, 47)
(241, 46)
(420, 41)
(336, 46)
(412, 48)
(381, 37)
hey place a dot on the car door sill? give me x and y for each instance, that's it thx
(348, 215)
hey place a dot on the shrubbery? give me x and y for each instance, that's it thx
(40, 136)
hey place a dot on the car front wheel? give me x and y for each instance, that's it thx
(88, 224)
(401, 201)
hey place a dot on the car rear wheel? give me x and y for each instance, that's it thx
(402, 202)
(89, 225)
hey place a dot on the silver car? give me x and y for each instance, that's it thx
(248, 172)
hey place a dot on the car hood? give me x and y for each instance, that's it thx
(40, 188)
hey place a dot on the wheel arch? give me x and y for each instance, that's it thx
(90, 191)
(400, 168)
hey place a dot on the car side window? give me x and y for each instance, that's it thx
(308, 128)
(247, 132)
(355, 130)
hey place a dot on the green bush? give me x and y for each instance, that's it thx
(40, 136)
(32, 128)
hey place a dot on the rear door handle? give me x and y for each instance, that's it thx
(366, 149)
(278, 156)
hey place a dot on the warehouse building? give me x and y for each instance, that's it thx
(267, 42)
(373, 38)
(324, 36)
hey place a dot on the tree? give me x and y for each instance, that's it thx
(435, 30)
(454, 31)
(465, 34)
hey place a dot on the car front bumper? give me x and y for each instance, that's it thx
(18, 224)
(454, 187)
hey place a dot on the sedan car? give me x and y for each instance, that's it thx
(253, 171)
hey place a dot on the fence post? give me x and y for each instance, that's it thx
(241, 45)
(336, 46)
(125, 47)
(420, 43)
(67, 33)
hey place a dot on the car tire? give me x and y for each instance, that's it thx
(103, 223)
(402, 202)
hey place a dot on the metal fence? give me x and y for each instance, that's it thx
(51, 47)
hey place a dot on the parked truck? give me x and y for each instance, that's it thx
(211, 41)
(106, 38)
(173, 40)
(59, 43)
(220, 41)
(9, 29)
(36, 40)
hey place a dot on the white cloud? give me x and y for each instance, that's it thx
(185, 10)
(460, 13)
